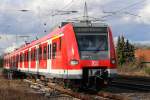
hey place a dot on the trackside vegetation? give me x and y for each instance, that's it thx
(127, 63)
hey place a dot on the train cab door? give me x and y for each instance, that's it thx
(56, 54)
(49, 55)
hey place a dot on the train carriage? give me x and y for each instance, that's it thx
(82, 52)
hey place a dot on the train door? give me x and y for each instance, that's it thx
(29, 59)
(49, 48)
(37, 58)
(56, 54)
(43, 56)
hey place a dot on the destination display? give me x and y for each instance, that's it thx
(90, 29)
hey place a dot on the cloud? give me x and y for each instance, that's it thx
(13, 21)
(10, 42)
(145, 13)
(7, 41)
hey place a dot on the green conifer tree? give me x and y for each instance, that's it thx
(125, 51)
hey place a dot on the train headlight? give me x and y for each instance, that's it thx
(113, 61)
(74, 62)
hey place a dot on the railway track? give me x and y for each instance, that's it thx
(134, 78)
(131, 86)
(53, 90)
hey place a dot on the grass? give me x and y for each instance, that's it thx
(147, 70)
(136, 69)
(17, 90)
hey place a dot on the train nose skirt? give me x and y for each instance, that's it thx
(94, 77)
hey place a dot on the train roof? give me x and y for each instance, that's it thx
(55, 31)
(35, 42)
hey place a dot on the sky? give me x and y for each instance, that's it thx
(130, 18)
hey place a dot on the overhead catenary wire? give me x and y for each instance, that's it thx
(68, 4)
(130, 6)
(123, 10)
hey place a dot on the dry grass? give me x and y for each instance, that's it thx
(17, 90)
(134, 69)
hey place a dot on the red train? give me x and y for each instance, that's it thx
(81, 52)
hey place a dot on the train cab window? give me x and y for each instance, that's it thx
(45, 53)
(54, 50)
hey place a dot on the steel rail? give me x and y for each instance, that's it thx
(131, 86)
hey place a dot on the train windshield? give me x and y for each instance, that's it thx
(92, 39)
(92, 42)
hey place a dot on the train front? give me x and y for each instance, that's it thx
(97, 53)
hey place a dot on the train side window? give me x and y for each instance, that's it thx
(20, 57)
(27, 56)
(40, 53)
(36, 54)
(54, 50)
(45, 53)
(33, 55)
(17, 58)
(9, 60)
(50, 51)
(60, 40)
(23, 56)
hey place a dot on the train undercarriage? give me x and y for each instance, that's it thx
(92, 79)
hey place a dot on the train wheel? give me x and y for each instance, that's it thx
(66, 83)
